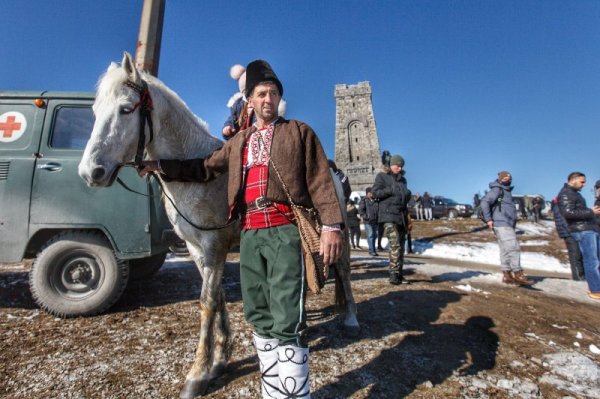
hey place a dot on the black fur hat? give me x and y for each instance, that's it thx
(260, 71)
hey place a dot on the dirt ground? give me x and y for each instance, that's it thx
(425, 340)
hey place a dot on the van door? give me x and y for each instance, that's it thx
(20, 133)
(61, 199)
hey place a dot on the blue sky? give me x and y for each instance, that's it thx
(461, 89)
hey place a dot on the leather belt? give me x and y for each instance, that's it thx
(259, 203)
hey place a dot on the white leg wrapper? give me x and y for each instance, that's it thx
(293, 372)
(267, 359)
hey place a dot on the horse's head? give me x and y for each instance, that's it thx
(121, 96)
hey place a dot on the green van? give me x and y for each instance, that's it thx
(85, 242)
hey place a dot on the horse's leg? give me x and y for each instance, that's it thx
(199, 376)
(343, 279)
(221, 337)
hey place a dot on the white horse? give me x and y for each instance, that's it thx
(126, 101)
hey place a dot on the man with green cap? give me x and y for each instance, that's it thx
(393, 195)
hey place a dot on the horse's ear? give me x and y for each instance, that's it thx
(129, 67)
(113, 65)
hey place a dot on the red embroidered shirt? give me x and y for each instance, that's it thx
(255, 161)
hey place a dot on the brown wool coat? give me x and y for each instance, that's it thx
(298, 155)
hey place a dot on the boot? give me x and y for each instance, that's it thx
(293, 372)
(266, 348)
(395, 278)
(521, 279)
(507, 278)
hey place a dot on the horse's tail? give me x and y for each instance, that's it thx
(340, 296)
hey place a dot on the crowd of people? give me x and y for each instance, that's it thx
(423, 206)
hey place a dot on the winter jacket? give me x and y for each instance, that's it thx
(597, 203)
(352, 212)
(427, 201)
(369, 210)
(504, 214)
(561, 224)
(298, 155)
(393, 195)
(573, 208)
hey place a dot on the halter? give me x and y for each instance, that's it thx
(145, 107)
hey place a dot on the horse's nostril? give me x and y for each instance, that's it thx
(98, 173)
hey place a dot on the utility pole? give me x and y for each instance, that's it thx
(147, 53)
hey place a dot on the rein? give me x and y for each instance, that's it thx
(145, 107)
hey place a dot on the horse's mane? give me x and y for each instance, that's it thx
(197, 140)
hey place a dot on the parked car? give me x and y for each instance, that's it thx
(85, 242)
(444, 208)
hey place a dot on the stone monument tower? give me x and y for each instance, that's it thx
(357, 151)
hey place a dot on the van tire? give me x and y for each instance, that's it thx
(452, 214)
(77, 274)
(146, 267)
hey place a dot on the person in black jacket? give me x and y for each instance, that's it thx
(584, 228)
(393, 194)
(369, 213)
(343, 179)
(575, 258)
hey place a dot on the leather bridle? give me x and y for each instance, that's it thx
(145, 107)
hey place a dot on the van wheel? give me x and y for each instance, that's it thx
(146, 267)
(452, 214)
(77, 274)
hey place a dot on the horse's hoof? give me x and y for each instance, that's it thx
(193, 388)
(351, 331)
(218, 370)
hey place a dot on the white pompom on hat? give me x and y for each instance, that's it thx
(238, 72)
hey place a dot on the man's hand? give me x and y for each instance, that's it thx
(331, 246)
(147, 167)
(490, 224)
(596, 210)
(228, 131)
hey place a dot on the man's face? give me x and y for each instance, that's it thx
(577, 183)
(265, 101)
(396, 169)
(369, 195)
(506, 179)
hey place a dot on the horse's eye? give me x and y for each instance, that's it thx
(125, 110)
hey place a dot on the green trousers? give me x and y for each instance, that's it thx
(273, 285)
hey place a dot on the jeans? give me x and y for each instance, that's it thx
(428, 214)
(589, 243)
(371, 230)
(575, 259)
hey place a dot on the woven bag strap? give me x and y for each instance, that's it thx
(285, 187)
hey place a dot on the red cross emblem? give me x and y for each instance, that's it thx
(9, 126)
(12, 126)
